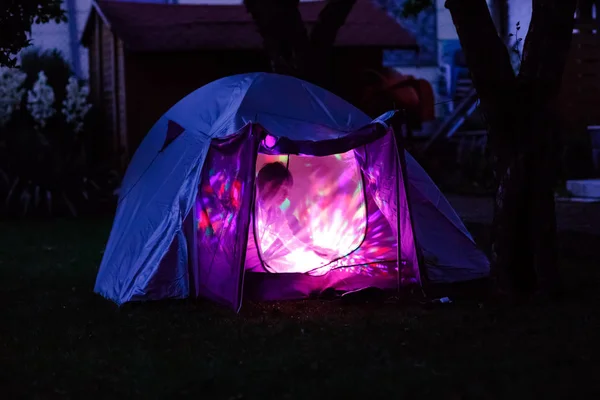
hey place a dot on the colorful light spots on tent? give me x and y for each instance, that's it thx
(328, 202)
(219, 201)
(328, 221)
(285, 205)
(236, 193)
(203, 220)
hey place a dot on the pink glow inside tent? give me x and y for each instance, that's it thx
(359, 213)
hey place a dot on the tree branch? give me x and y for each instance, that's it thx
(331, 18)
(285, 38)
(16, 19)
(487, 58)
(411, 8)
(545, 54)
(322, 36)
(547, 46)
(499, 9)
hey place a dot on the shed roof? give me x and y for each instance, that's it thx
(147, 27)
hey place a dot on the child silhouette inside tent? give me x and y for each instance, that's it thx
(281, 232)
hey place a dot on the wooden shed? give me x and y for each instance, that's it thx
(145, 57)
(580, 94)
(581, 85)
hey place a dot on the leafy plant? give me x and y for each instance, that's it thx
(16, 19)
(474, 161)
(11, 92)
(54, 65)
(407, 8)
(515, 48)
(44, 168)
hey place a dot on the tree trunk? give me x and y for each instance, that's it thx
(292, 50)
(285, 38)
(500, 11)
(544, 57)
(322, 38)
(496, 86)
(517, 111)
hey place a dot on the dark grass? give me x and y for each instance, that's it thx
(59, 340)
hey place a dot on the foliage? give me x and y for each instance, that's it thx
(462, 165)
(11, 82)
(292, 48)
(475, 164)
(43, 162)
(515, 48)
(412, 8)
(56, 68)
(16, 19)
(75, 105)
(40, 101)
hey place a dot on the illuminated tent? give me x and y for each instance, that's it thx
(187, 224)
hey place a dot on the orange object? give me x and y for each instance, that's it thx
(387, 89)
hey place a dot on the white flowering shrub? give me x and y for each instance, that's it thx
(11, 92)
(40, 101)
(44, 166)
(75, 105)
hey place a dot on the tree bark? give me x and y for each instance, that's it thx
(500, 11)
(292, 50)
(545, 54)
(489, 64)
(521, 140)
(285, 38)
(322, 37)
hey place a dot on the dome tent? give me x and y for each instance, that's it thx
(187, 223)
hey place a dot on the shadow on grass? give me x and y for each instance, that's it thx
(59, 340)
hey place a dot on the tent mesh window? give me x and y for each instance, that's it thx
(325, 222)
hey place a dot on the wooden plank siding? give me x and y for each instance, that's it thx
(108, 87)
(95, 63)
(121, 101)
(99, 147)
(112, 99)
(581, 83)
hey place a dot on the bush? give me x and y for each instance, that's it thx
(55, 67)
(44, 169)
(460, 166)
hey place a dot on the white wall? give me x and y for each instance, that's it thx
(519, 11)
(445, 31)
(445, 26)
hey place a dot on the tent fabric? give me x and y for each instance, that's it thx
(173, 132)
(157, 247)
(223, 209)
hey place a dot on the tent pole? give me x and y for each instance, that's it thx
(398, 138)
(257, 134)
(192, 244)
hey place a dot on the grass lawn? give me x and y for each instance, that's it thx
(59, 340)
